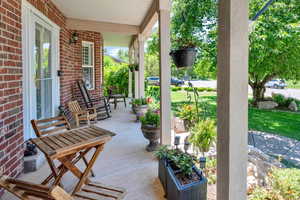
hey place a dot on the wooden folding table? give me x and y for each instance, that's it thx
(64, 147)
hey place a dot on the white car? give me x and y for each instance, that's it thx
(276, 84)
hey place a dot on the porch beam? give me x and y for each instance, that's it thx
(97, 26)
(141, 58)
(232, 110)
(150, 19)
(165, 70)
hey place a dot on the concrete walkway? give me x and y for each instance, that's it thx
(124, 162)
(288, 150)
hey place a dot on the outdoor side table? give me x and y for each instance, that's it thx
(64, 147)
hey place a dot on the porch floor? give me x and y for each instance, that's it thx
(124, 161)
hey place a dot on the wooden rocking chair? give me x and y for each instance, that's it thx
(52, 126)
(101, 104)
(82, 115)
(30, 191)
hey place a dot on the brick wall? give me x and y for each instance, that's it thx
(11, 105)
(11, 111)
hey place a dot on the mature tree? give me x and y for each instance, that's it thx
(274, 44)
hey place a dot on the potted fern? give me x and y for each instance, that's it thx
(203, 136)
(151, 129)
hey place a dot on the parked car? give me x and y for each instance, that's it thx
(176, 81)
(154, 80)
(276, 84)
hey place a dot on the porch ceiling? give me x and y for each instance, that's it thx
(124, 12)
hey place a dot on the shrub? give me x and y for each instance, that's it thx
(116, 75)
(175, 89)
(283, 184)
(203, 135)
(211, 89)
(188, 89)
(151, 118)
(154, 92)
(201, 89)
(280, 99)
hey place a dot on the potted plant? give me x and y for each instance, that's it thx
(139, 107)
(203, 136)
(187, 114)
(151, 129)
(179, 176)
(185, 54)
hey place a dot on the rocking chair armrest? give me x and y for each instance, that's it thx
(83, 112)
(92, 109)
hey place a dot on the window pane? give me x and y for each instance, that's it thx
(87, 54)
(44, 98)
(88, 77)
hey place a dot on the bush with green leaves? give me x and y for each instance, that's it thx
(282, 184)
(139, 101)
(203, 135)
(175, 89)
(154, 92)
(115, 75)
(151, 119)
(280, 99)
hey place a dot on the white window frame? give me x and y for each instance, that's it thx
(93, 60)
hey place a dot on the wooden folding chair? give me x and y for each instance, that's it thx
(30, 191)
(82, 115)
(49, 126)
(101, 104)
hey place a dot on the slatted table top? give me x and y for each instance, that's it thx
(71, 141)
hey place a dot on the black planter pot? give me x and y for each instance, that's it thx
(193, 191)
(184, 57)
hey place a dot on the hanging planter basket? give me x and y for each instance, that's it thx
(136, 67)
(184, 57)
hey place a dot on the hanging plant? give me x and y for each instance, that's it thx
(131, 67)
(185, 53)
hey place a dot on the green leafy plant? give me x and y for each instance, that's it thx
(175, 89)
(211, 170)
(154, 92)
(139, 102)
(183, 161)
(282, 184)
(203, 135)
(279, 98)
(187, 113)
(151, 118)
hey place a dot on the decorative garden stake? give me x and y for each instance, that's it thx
(187, 144)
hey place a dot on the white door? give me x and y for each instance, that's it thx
(41, 84)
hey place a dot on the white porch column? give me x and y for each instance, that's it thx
(130, 75)
(165, 70)
(232, 111)
(136, 75)
(141, 57)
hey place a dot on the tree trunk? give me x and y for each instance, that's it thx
(258, 93)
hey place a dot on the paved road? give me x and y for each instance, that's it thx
(294, 93)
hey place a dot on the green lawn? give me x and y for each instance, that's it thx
(278, 122)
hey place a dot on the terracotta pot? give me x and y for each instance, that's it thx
(152, 134)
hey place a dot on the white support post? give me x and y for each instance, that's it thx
(141, 62)
(165, 70)
(232, 111)
(136, 76)
(130, 75)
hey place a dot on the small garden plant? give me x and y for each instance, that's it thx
(151, 119)
(203, 135)
(139, 102)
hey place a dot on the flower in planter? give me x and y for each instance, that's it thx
(187, 113)
(139, 102)
(149, 100)
(151, 119)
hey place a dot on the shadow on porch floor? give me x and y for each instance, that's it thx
(124, 161)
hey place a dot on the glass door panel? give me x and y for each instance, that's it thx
(43, 72)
